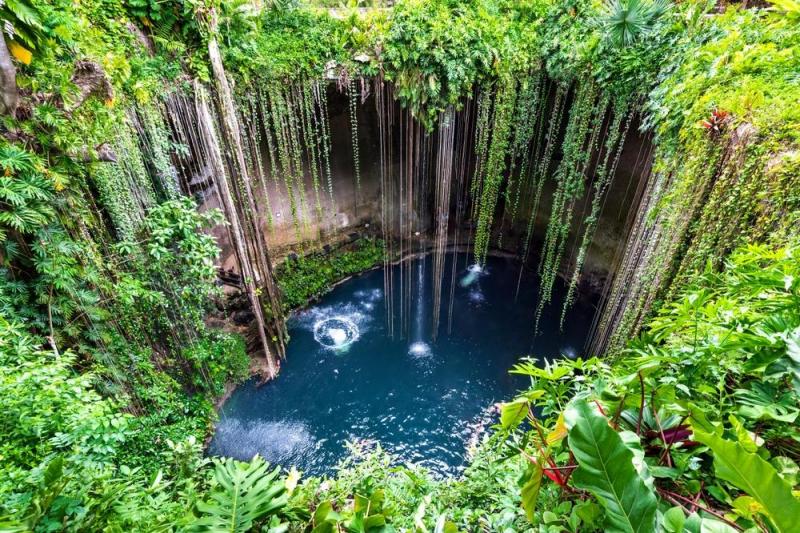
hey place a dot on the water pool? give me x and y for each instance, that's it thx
(345, 379)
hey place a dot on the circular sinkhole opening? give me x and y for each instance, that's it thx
(365, 368)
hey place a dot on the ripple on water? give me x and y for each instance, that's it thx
(339, 326)
(424, 402)
(336, 332)
(281, 441)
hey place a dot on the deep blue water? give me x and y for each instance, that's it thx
(424, 401)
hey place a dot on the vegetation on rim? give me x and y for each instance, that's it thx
(108, 370)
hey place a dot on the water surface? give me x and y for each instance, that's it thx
(345, 379)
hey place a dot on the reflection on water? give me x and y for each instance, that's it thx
(427, 402)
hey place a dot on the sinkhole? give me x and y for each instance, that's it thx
(427, 401)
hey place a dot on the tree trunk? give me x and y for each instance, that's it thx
(261, 262)
(236, 233)
(9, 93)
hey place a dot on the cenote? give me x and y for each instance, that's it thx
(426, 402)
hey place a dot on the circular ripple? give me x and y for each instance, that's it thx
(335, 332)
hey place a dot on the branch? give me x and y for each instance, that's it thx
(641, 406)
(681, 501)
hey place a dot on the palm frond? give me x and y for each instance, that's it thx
(626, 21)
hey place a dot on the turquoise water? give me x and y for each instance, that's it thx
(344, 379)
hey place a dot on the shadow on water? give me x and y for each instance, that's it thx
(345, 379)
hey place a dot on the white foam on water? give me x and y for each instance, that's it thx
(473, 273)
(339, 336)
(469, 279)
(336, 327)
(419, 349)
(336, 332)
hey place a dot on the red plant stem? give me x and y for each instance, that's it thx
(552, 472)
(542, 437)
(600, 407)
(699, 494)
(569, 474)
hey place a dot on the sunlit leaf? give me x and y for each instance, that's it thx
(756, 477)
(606, 470)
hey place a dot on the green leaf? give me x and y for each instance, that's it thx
(711, 525)
(246, 492)
(325, 527)
(54, 471)
(444, 526)
(530, 490)
(324, 512)
(360, 504)
(673, 520)
(513, 413)
(374, 521)
(606, 470)
(756, 477)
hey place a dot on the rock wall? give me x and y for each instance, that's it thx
(356, 211)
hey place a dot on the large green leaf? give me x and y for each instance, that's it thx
(606, 470)
(513, 413)
(530, 489)
(755, 476)
(246, 492)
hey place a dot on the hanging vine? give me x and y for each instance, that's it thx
(614, 143)
(495, 167)
(126, 189)
(542, 169)
(321, 100)
(157, 147)
(482, 136)
(310, 139)
(294, 115)
(353, 95)
(526, 115)
(278, 112)
(570, 185)
(443, 179)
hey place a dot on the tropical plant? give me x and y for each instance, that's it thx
(303, 279)
(752, 474)
(626, 21)
(22, 28)
(26, 194)
(243, 494)
(108, 371)
(725, 349)
(606, 469)
(791, 8)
